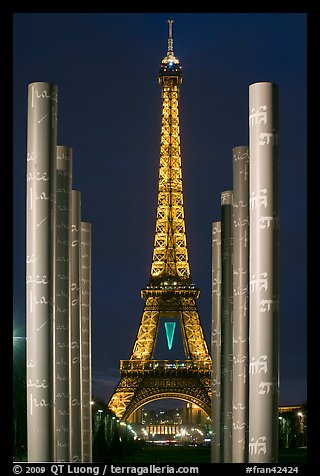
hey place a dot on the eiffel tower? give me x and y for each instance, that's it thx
(170, 293)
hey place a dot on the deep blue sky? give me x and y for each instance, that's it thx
(109, 112)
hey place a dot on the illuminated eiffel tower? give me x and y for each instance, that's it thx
(170, 293)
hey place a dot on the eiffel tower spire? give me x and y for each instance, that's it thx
(170, 39)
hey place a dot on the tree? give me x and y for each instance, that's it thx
(100, 452)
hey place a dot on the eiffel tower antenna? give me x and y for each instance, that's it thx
(170, 39)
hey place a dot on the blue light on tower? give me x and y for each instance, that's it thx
(170, 328)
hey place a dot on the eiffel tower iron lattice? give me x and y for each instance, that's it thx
(170, 292)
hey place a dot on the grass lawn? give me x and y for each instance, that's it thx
(192, 454)
(199, 454)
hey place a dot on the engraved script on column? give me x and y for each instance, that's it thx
(257, 116)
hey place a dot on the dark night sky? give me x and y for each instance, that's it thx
(106, 66)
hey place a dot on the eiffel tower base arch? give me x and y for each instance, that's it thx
(144, 382)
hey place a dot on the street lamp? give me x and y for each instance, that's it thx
(301, 428)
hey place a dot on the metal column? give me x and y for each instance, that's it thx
(75, 331)
(85, 260)
(226, 327)
(264, 292)
(62, 302)
(216, 340)
(240, 304)
(40, 264)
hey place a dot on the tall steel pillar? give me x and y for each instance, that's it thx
(216, 341)
(75, 331)
(85, 260)
(62, 302)
(226, 327)
(40, 266)
(264, 280)
(240, 414)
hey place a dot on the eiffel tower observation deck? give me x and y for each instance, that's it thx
(170, 293)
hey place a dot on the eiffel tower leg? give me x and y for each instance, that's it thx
(140, 386)
(123, 395)
(142, 351)
(196, 344)
(148, 330)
